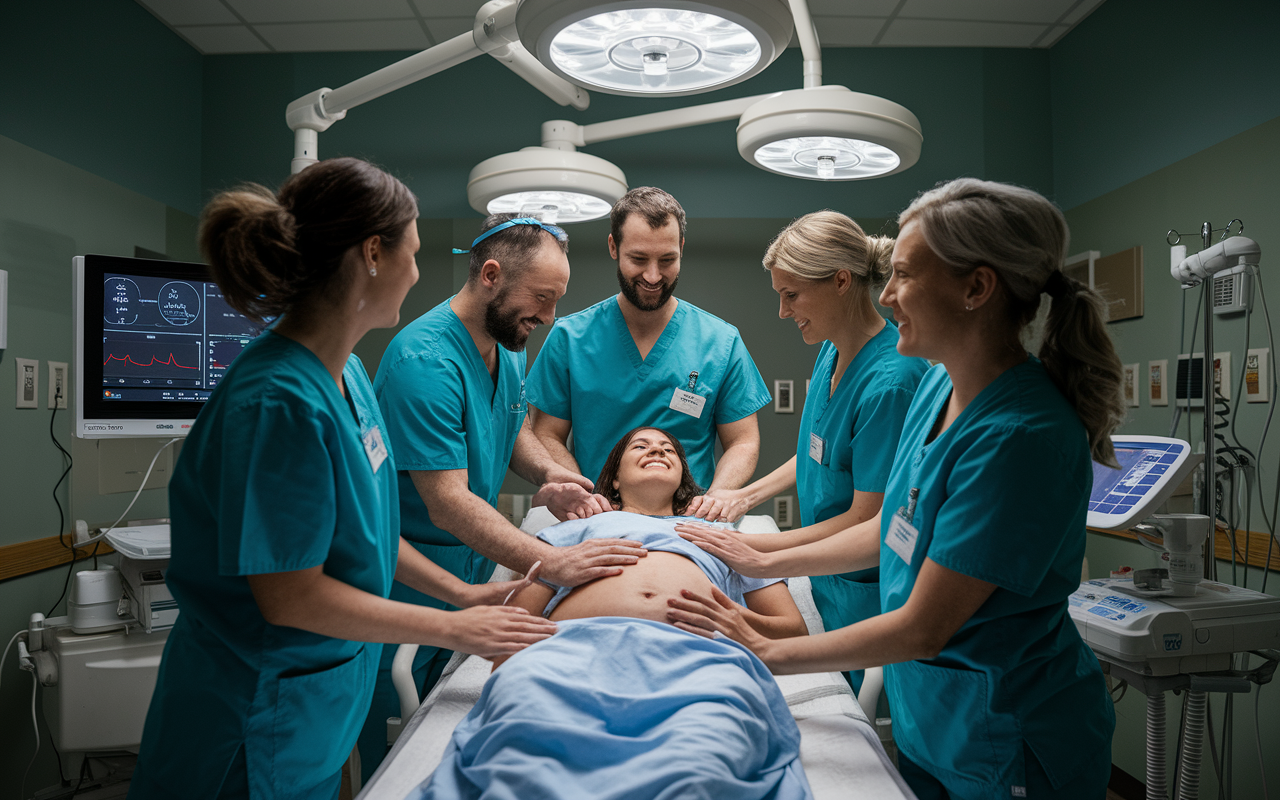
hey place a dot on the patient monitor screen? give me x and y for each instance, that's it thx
(154, 338)
(167, 340)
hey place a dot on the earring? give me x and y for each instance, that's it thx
(968, 308)
(373, 271)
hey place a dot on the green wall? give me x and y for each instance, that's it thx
(51, 211)
(1235, 178)
(1140, 84)
(1149, 115)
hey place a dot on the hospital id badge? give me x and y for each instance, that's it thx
(901, 537)
(687, 403)
(374, 447)
(816, 447)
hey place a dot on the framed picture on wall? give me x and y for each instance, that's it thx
(1158, 382)
(1131, 384)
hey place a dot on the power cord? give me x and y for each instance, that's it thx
(62, 519)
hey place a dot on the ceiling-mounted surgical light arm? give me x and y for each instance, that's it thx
(493, 33)
(809, 46)
(562, 134)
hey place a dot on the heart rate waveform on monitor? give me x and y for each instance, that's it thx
(145, 363)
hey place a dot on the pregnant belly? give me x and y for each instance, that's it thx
(641, 591)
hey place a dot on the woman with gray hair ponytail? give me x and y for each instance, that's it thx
(982, 531)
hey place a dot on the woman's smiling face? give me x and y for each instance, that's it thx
(649, 458)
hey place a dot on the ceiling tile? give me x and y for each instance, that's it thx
(844, 8)
(333, 36)
(447, 8)
(847, 31)
(1083, 9)
(190, 12)
(256, 11)
(443, 29)
(216, 39)
(1044, 11)
(935, 33)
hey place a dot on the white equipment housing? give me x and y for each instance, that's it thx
(1174, 635)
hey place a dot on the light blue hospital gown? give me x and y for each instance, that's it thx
(590, 373)
(444, 412)
(1002, 498)
(847, 442)
(653, 533)
(274, 477)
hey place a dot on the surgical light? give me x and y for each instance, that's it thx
(556, 186)
(645, 47)
(829, 133)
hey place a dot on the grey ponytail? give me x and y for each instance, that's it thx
(1015, 231)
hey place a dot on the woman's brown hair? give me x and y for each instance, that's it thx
(272, 252)
(685, 493)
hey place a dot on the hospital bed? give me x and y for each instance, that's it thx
(839, 747)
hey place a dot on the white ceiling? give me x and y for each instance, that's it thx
(299, 26)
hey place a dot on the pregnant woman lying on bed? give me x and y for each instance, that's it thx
(647, 479)
(620, 704)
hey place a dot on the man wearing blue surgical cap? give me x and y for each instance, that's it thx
(642, 357)
(451, 389)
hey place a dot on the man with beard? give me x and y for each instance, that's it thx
(642, 357)
(451, 390)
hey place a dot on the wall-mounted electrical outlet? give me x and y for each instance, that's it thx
(28, 382)
(58, 384)
(782, 509)
(1257, 375)
(1222, 375)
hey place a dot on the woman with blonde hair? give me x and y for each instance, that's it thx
(824, 269)
(993, 692)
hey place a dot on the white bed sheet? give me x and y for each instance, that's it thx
(839, 747)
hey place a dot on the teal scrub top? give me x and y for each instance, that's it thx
(1002, 496)
(590, 373)
(847, 442)
(275, 476)
(445, 411)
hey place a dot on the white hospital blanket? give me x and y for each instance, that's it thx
(839, 748)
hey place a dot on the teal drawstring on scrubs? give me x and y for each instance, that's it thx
(847, 442)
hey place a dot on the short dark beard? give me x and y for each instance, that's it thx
(504, 328)
(630, 292)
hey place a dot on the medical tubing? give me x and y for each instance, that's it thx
(1192, 747)
(1262, 501)
(35, 684)
(1156, 778)
(136, 495)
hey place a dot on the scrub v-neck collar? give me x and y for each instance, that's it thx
(644, 366)
(473, 353)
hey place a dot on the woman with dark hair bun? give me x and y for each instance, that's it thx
(285, 523)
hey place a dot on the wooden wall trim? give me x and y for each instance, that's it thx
(25, 558)
(1222, 546)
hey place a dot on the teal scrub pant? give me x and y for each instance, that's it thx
(1090, 784)
(841, 602)
(429, 662)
